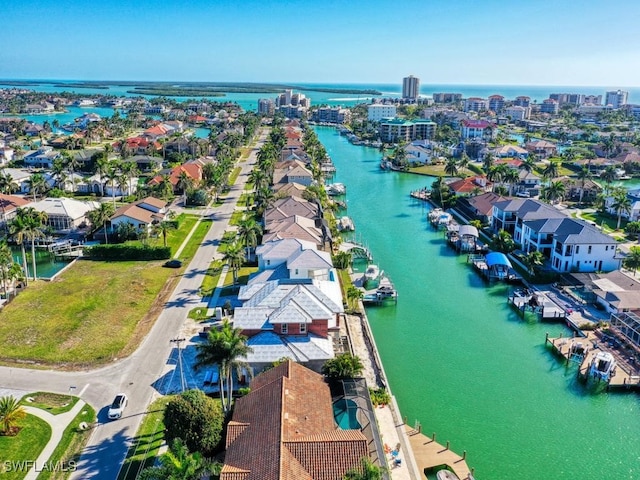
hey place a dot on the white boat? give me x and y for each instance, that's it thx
(446, 475)
(346, 224)
(372, 276)
(603, 366)
(336, 189)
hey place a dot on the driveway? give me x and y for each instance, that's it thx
(142, 374)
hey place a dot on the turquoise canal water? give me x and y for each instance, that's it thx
(46, 264)
(461, 362)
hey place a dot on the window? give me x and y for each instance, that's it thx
(268, 262)
(577, 249)
(589, 250)
(303, 328)
(284, 328)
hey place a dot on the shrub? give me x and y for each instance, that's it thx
(196, 419)
(379, 396)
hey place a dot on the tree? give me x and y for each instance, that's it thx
(226, 348)
(608, 175)
(451, 167)
(102, 166)
(551, 170)
(234, 258)
(196, 419)
(343, 366)
(72, 164)
(632, 261)
(163, 228)
(621, 204)
(342, 260)
(353, 295)
(29, 223)
(7, 184)
(179, 464)
(18, 231)
(555, 191)
(100, 216)
(37, 184)
(502, 242)
(511, 176)
(248, 232)
(10, 412)
(583, 175)
(366, 471)
(533, 261)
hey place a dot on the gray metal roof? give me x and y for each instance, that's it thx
(268, 347)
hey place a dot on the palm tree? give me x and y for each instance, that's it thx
(162, 228)
(6, 260)
(37, 184)
(451, 167)
(487, 162)
(608, 176)
(621, 203)
(551, 170)
(72, 164)
(35, 229)
(18, 230)
(583, 175)
(503, 242)
(7, 185)
(632, 261)
(511, 176)
(100, 216)
(179, 464)
(130, 170)
(533, 260)
(234, 258)
(112, 175)
(555, 191)
(528, 164)
(248, 232)
(102, 167)
(10, 412)
(225, 347)
(184, 184)
(342, 366)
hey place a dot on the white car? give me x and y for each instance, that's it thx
(117, 407)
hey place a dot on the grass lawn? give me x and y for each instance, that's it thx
(196, 239)
(71, 322)
(227, 239)
(606, 221)
(147, 441)
(199, 314)
(210, 281)
(174, 237)
(234, 175)
(71, 444)
(237, 216)
(26, 445)
(438, 171)
(54, 403)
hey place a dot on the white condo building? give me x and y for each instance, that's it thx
(378, 111)
(411, 87)
(616, 98)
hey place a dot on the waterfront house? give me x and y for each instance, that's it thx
(142, 214)
(542, 148)
(146, 163)
(480, 207)
(296, 226)
(616, 292)
(65, 214)
(285, 429)
(528, 184)
(289, 206)
(478, 129)
(293, 173)
(271, 255)
(419, 151)
(511, 151)
(8, 206)
(293, 318)
(470, 186)
(292, 189)
(191, 169)
(41, 158)
(571, 245)
(574, 188)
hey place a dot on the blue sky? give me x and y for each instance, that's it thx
(526, 42)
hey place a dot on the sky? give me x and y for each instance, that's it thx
(508, 42)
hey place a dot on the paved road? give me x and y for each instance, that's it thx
(146, 371)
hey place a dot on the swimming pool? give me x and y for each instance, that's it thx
(344, 412)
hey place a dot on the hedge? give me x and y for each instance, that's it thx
(128, 252)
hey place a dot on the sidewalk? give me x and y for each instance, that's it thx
(58, 425)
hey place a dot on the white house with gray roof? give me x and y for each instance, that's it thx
(65, 214)
(571, 245)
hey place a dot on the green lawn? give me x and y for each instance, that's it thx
(148, 439)
(210, 281)
(227, 239)
(606, 221)
(71, 444)
(26, 445)
(196, 239)
(234, 175)
(54, 403)
(94, 313)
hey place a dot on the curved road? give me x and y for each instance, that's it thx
(139, 374)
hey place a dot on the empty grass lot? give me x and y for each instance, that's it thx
(93, 313)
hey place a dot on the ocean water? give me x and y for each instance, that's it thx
(462, 362)
(249, 101)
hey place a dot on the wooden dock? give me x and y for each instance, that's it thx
(538, 302)
(583, 350)
(422, 194)
(430, 455)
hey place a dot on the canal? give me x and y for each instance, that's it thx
(465, 365)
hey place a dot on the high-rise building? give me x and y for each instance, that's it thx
(616, 99)
(522, 101)
(410, 87)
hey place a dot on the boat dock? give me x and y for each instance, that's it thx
(430, 455)
(538, 302)
(423, 194)
(584, 350)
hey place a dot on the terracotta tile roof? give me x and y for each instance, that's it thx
(8, 203)
(193, 170)
(284, 429)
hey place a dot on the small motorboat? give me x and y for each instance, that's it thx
(603, 366)
(446, 475)
(336, 189)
